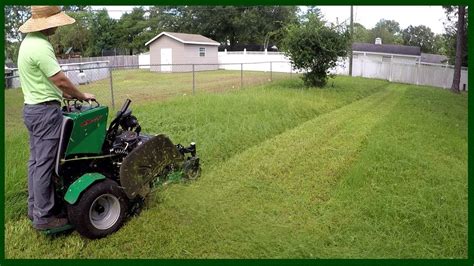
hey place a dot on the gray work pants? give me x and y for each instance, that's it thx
(44, 127)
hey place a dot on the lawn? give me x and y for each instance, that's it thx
(360, 169)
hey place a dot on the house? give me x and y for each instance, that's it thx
(180, 52)
(398, 53)
(378, 51)
(376, 60)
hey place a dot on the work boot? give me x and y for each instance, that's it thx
(52, 224)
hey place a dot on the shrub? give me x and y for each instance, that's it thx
(314, 47)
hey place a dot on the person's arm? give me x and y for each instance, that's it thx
(67, 96)
(64, 84)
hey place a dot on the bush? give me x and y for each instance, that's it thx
(315, 48)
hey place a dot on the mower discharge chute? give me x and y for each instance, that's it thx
(104, 174)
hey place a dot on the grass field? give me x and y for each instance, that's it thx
(361, 169)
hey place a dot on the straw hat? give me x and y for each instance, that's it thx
(45, 17)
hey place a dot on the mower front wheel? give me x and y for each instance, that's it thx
(100, 211)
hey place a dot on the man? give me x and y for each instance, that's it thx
(43, 85)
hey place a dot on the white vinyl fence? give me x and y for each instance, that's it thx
(255, 61)
(83, 73)
(78, 73)
(403, 69)
(114, 61)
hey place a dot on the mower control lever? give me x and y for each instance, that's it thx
(191, 149)
(125, 106)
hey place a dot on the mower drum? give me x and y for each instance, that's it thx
(147, 163)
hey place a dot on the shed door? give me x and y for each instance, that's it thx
(166, 58)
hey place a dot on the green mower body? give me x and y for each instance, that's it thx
(88, 132)
(103, 174)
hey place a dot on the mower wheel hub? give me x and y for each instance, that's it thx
(104, 211)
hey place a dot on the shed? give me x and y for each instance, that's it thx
(178, 52)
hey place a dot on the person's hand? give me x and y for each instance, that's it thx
(67, 96)
(88, 96)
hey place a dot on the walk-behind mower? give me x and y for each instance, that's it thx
(104, 174)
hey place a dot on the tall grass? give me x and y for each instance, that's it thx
(361, 169)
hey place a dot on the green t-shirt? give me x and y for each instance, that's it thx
(36, 63)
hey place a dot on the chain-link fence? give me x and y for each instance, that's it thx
(113, 84)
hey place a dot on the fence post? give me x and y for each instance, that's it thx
(418, 71)
(391, 68)
(362, 65)
(241, 75)
(111, 88)
(194, 84)
(445, 76)
(291, 70)
(271, 72)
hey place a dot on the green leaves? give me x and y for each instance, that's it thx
(233, 24)
(421, 36)
(314, 47)
(15, 16)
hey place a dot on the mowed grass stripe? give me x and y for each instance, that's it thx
(263, 202)
(406, 197)
(270, 195)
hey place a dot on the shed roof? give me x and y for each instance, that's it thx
(387, 48)
(433, 58)
(185, 38)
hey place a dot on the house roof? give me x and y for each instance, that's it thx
(387, 48)
(433, 58)
(185, 38)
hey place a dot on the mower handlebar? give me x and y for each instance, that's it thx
(72, 104)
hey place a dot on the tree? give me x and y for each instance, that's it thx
(15, 16)
(237, 24)
(439, 44)
(361, 34)
(451, 34)
(420, 36)
(132, 30)
(459, 49)
(76, 35)
(315, 48)
(388, 30)
(104, 33)
(76, 8)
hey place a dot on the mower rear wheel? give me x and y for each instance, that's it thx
(100, 210)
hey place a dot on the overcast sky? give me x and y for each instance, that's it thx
(431, 16)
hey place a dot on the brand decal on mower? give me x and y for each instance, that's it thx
(90, 121)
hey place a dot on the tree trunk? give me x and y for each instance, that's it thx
(459, 46)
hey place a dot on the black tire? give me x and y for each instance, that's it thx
(100, 211)
(192, 168)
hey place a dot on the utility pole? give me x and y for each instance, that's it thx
(352, 39)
